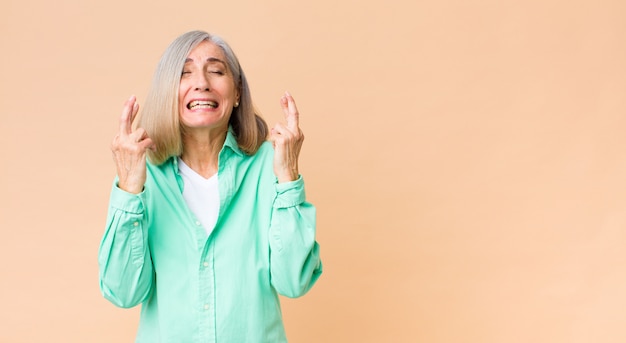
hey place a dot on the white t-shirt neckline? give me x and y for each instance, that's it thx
(201, 195)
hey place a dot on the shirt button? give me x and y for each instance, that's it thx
(206, 306)
(206, 264)
(197, 223)
(136, 224)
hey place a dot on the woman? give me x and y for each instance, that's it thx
(207, 221)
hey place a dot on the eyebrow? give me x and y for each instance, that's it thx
(210, 59)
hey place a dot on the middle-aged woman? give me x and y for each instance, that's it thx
(207, 221)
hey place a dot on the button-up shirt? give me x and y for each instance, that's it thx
(217, 287)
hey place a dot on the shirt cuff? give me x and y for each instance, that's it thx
(125, 201)
(289, 194)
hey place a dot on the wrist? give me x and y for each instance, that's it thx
(129, 189)
(287, 176)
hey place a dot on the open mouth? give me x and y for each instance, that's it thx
(197, 104)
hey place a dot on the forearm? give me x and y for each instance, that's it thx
(295, 258)
(126, 272)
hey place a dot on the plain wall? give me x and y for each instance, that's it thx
(467, 159)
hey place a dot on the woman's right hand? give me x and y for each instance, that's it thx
(129, 150)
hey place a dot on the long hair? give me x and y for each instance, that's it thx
(160, 117)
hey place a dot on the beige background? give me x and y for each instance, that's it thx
(467, 159)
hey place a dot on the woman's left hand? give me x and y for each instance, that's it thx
(287, 140)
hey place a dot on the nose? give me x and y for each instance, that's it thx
(201, 82)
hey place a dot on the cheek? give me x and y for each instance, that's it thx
(182, 92)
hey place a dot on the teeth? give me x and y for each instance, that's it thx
(196, 104)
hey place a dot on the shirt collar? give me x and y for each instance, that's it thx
(231, 142)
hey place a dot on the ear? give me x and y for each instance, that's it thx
(238, 93)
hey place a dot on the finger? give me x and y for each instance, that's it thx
(280, 130)
(147, 144)
(133, 116)
(138, 135)
(273, 134)
(126, 118)
(291, 111)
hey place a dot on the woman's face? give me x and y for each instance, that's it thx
(207, 91)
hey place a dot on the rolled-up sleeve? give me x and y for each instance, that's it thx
(126, 272)
(294, 252)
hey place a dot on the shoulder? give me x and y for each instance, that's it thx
(262, 160)
(161, 170)
(265, 153)
(167, 163)
(265, 149)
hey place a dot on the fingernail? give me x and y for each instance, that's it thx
(287, 93)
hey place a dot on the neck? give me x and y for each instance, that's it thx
(201, 151)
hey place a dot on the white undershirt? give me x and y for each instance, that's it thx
(201, 195)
